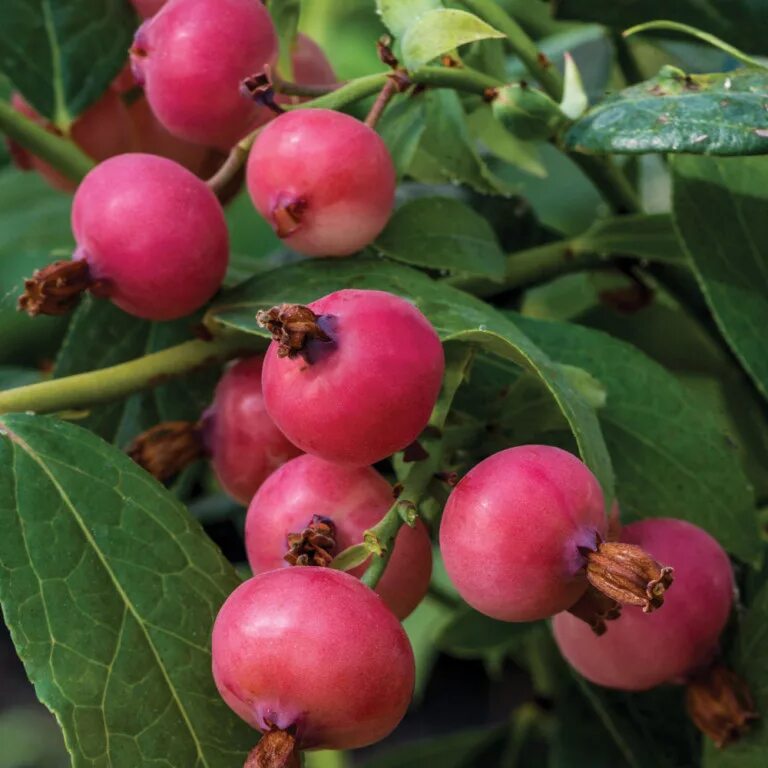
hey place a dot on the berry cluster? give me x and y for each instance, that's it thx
(348, 380)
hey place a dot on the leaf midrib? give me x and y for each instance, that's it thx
(118, 587)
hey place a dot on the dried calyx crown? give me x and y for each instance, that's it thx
(292, 326)
(167, 448)
(277, 749)
(315, 545)
(619, 574)
(56, 289)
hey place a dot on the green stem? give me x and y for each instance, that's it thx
(537, 64)
(382, 535)
(605, 175)
(64, 155)
(533, 266)
(354, 90)
(459, 78)
(102, 386)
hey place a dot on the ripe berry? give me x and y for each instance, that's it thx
(314, 652)
(642, 651)
(349, 501)
(102, 131)
(191, 58)
(512, 529)
(323, 180)
(244, 443)
(310, 64)
(353, 377)
(152, 234)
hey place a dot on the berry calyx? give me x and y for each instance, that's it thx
(314, 653)
(55, 289)
(166, 268)
(323, 180)
(310, 510)
(166, 449)
(292, 326)
(720, 704)
(191, 57)
(365, 393)
(641, 650)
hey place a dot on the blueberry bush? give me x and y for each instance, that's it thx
(382, 382)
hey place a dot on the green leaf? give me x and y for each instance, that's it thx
(719, 208)
(110, 590)
(472, 635)
(423, 627)
(15, 376)
(398, 15)
(447, 152)
(401, 127)
(101, 335)
(454, 314)
(719, 114)
(61, 54)
(455, 750)
(440, 31)
(750, 660)
(671, 458)
(34, 220)
(443, 234)
(741, 22)
(285, 16)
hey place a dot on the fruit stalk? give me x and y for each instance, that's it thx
(107, 384)
(64, 155)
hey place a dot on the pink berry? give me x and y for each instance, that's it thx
(640, 651)
(315, 651)
(352, 499)
(102, 131)
(245, 445)
(147, 8)
(191, 58)
(368, 390)
(323, 180)
(152, 233)
(310, 64)
(512, 528)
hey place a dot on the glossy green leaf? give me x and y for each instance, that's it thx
(447, 152)
(671, 458)
(454, 314)
(398, 15)
(440, 31)
(443, 234)
(472, 635)
(110, 590)
(455, 750)
(741, 22)
(750, 660)
(62, 54)
(34, 220)
(15, 376)
(719, 208)
(719, 114)
(402, 126)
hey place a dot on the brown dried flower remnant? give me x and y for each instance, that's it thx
(55, 289)
(720, 704)
(167, 448)
(315, 545)
(291, 326)
(627, 574)
(277, 749)
(595, 609)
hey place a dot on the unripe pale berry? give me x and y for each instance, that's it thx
(102, 131)
(512, 528)
(191, 58)
(640, 651)
(364, 392)
(315, 652)
(244, 443)
(152, 234)
(323, 180)
(349, 499)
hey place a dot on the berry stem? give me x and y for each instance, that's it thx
(63, 154)
(389, 89)
(84, 390)
(380, 539)
(232, 165)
